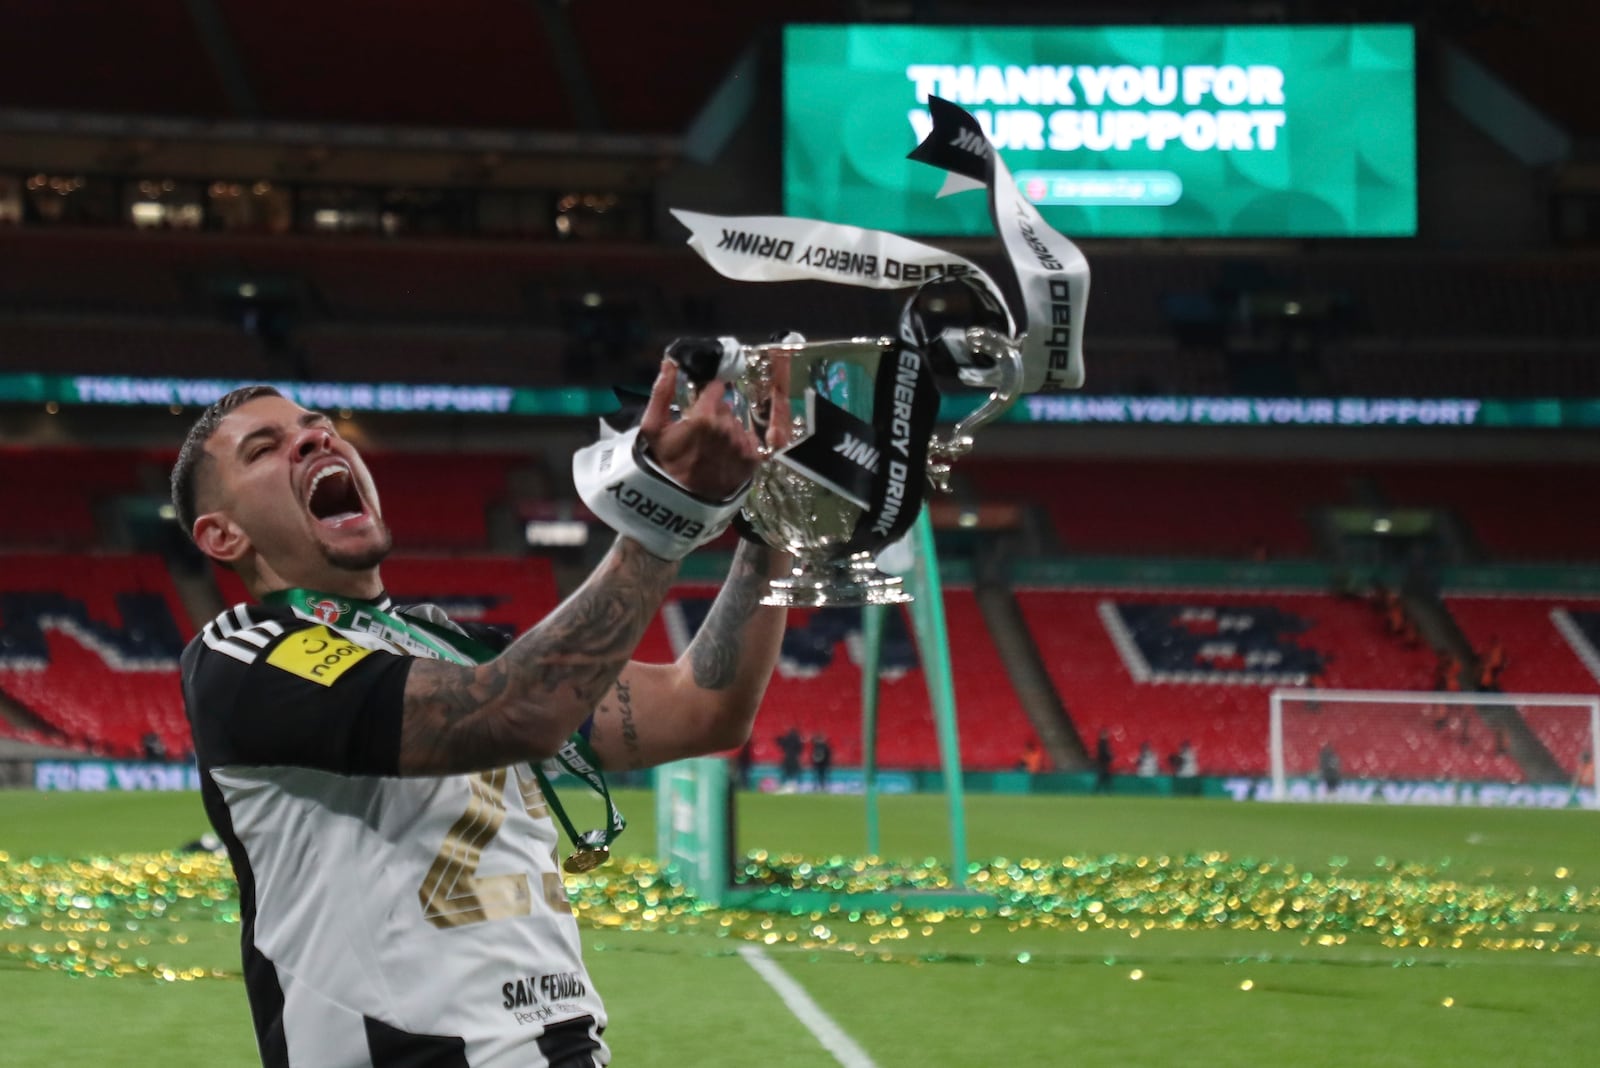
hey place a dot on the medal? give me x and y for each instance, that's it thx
(586, 860)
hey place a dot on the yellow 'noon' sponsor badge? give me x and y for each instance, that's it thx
(317, 655)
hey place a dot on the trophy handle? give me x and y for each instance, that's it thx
(1007, 388)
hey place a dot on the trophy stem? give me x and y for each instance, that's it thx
(820, 582)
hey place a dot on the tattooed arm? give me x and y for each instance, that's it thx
(525, 702)
(707, 700)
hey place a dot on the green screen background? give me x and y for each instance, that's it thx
(1344, 165)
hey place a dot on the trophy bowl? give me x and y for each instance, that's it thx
(800, 510)
(846, 480)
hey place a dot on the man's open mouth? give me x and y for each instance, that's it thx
(333, 496)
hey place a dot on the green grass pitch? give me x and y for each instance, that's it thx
(951, 993)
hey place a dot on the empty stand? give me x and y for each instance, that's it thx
(817, 688)
(1183, 509)
(1440, 371)
(90, 644)
(1210, 659)
(48, 496)
(78, 271)
(477, 63)
(1126, 371)
(444, 282)
(136, 347)
(1515, 511)
(79, 55)
(1543, 655)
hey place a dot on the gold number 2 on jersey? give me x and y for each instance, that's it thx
(453, 894)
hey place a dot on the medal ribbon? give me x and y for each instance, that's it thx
(421, 638)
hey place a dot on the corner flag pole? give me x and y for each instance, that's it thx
(933, 645)
(933, 649)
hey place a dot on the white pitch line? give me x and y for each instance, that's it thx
(808, 1012)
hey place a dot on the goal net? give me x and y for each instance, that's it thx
(1488, 749)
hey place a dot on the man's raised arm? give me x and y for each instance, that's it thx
(523, 704)
(706, 701)
(665, 486)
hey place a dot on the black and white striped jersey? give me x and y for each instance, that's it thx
(387, 921)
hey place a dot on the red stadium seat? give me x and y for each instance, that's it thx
(47, 496)
(104, 681)
(1224, 716)
(822, 693)
(1515, 511)
(1214, 508)
(1540, 658)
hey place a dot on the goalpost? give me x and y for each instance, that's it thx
(1536, 750)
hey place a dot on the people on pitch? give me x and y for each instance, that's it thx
(1147, 767)
(1033, 759)
(1185, 762)
(792, 746)
(821, 760)
(379, 772)
(1103, 761)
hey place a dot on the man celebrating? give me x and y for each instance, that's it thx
(377, 772)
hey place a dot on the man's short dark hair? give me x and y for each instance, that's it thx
(186, 472)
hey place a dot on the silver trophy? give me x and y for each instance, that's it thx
(811, 495)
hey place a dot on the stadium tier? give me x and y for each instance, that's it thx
(357, 281)
(1236, 509)
(1551, 645)
(191, 348)
(818, 686)
(1162, 667)
(89, 648)
(1379, 370)
(116, 272)
(1515, 511)
(48, 496)
(78, 55)
(490, 63)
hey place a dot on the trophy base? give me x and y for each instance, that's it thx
(849, 583)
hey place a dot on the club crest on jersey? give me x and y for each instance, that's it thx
(328, 611)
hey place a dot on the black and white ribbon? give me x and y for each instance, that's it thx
(1051, 272)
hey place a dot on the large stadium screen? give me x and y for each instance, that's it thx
(1201, 131)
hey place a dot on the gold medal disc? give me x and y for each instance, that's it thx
(586, 860)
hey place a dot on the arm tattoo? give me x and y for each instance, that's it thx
(714, 653)
(525, 702)
(630, 733)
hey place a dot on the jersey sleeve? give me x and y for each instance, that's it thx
(306, 696)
